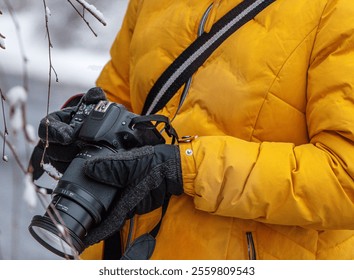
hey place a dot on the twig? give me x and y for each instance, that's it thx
(83, 18)
(92, 11)
(50, 46)
(4, 157)
(13, 151)
(51, 69)
(2, 42)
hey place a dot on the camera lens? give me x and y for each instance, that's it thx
(78, 204)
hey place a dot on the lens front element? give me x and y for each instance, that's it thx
(48, 235)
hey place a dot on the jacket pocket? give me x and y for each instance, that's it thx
(251, 248)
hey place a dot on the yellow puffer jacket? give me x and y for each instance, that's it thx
(271, 173)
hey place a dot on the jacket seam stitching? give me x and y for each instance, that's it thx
(277, 75)
(290, 105)
(314, 253)
(331, 247)
(317, 29)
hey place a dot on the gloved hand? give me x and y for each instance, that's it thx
(61, 136)
(146, 176)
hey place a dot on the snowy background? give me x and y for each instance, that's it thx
(77, 56)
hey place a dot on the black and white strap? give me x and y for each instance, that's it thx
(198, 52)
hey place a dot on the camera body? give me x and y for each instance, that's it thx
(110, 124)
(79, 203)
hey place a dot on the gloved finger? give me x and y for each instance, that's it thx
(61, 156)
(55, 127)
(122, 168)
(94, 95)
(56, 155)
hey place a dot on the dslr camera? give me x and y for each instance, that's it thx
(79, 203)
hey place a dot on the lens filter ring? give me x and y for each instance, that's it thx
(48, 235)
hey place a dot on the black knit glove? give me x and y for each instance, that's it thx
(146, 176)
(61, 135)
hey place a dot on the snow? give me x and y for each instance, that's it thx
(47, 11)
(29, 194)
(16, 122)
(52, 171)
(16, 95)
(31, 132)
(93, 10)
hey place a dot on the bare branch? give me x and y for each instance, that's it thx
(93, 11)
(4, 157)
(83, 18)
(13, 151)
(51, 69)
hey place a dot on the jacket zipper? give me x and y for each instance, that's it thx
(251, 248)
(202, 23)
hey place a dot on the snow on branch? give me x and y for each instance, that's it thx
(51, 171)
(93, 11)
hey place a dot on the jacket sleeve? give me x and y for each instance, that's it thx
(310, 185)
(114, 78)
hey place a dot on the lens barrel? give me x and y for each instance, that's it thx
(78, 204)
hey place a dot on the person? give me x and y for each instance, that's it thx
(264, 168)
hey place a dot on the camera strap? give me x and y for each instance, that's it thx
(157, 119)
(198, 52)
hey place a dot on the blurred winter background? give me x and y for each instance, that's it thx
(77, 56)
